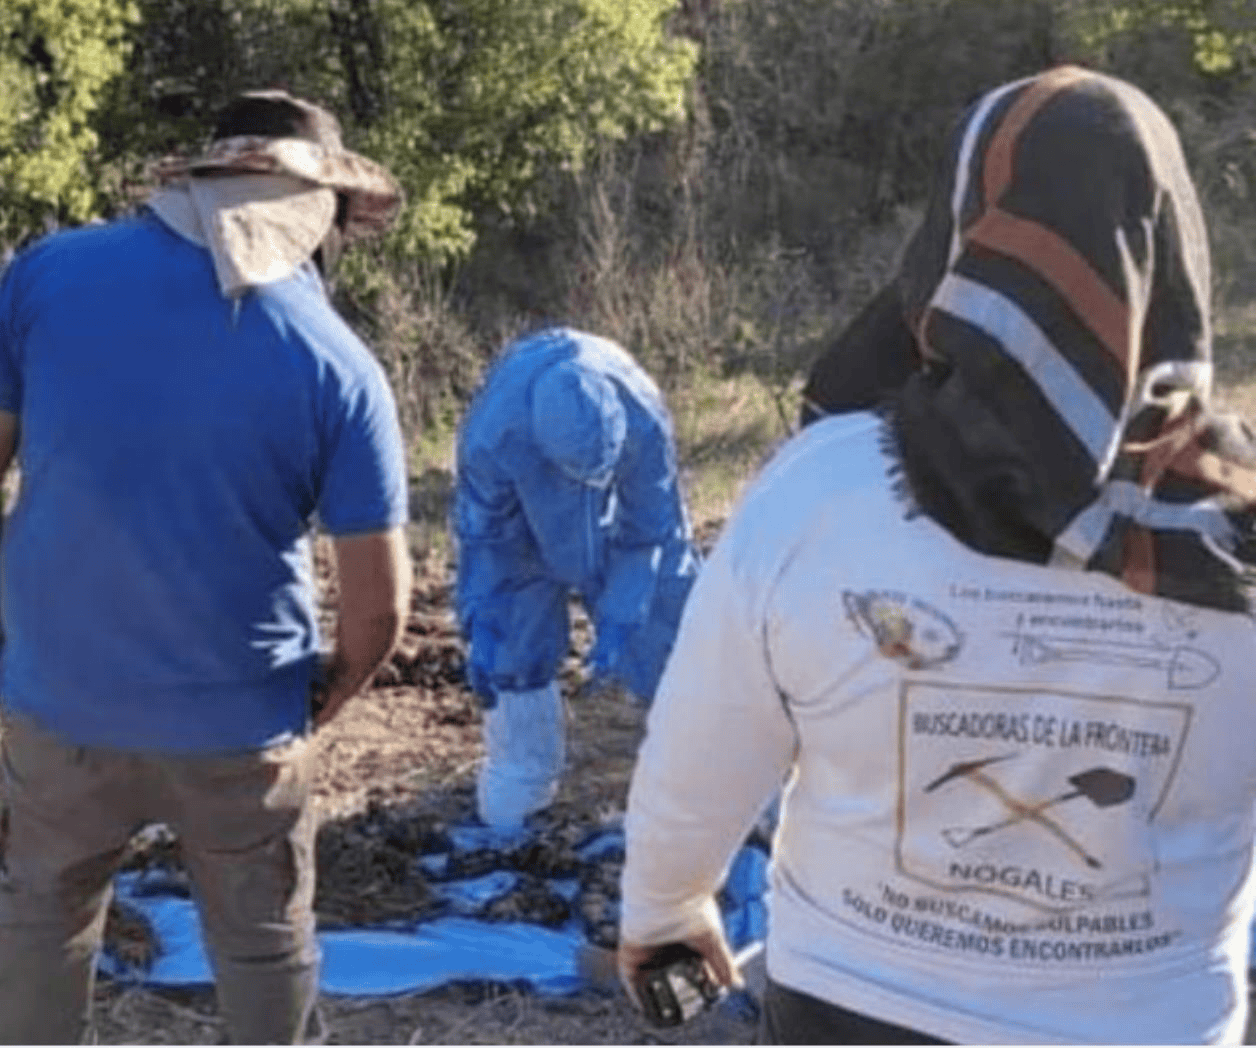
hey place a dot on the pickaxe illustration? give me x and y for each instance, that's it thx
(1103, 787)
(974, 771)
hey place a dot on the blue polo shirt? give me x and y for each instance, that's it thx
(174, 448)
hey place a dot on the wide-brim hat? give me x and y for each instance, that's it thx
(273, 132)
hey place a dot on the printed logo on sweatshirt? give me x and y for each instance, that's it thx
(1041, 797)
(905, 629)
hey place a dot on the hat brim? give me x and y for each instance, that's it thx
(374, 197)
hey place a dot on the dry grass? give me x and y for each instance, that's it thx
(466, 1014)
(1236, 358)
(726, 428)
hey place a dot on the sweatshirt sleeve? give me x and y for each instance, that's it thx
(719, 743)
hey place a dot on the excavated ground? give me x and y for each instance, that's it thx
(396, 770)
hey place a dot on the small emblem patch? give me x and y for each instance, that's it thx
(905, 629)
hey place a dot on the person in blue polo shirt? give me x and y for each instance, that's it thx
(566, 484)
(182, 401)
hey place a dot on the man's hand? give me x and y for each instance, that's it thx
(374, 580)
(713, 947)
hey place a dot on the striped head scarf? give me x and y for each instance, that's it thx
(1058, 291)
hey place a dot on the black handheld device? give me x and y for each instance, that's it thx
(675, 986)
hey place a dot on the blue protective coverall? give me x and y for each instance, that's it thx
(532, 530)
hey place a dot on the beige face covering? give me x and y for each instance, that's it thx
(259, 228)
(263, 205)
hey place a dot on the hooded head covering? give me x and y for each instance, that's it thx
(1058, 292)
(275, 185)
(579, 422)
(864, 360)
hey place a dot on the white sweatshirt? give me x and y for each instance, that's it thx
(1020, 800)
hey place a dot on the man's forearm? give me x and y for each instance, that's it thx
(374, 579)
(361, 648)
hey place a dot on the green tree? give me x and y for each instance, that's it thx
(56, 58)
(468, 102)
(1218, 37)
(188, 57)
(477, 99)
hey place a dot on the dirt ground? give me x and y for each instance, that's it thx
(395, 769)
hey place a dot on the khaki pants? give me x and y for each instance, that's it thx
(247, 836)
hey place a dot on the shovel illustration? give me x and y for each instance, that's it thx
(1183, 666)
(1103, 787)
(974, 771)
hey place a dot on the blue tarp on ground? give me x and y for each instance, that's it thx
(448, 949)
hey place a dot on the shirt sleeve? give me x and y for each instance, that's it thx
(365, 484)
(718, 746)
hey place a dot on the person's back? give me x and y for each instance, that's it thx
(504, 456)
(174, 447)
(1021, 811)
(188, 404)
(996, 635)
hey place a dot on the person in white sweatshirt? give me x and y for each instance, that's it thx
(996, 638)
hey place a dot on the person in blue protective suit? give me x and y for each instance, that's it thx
(566, 484)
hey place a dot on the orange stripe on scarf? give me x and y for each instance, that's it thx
(997, 169)
(1063, 267)
(997, 165)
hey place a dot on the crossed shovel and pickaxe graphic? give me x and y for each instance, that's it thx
(1103, 787)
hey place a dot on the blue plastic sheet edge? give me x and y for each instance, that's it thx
(378, 961)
